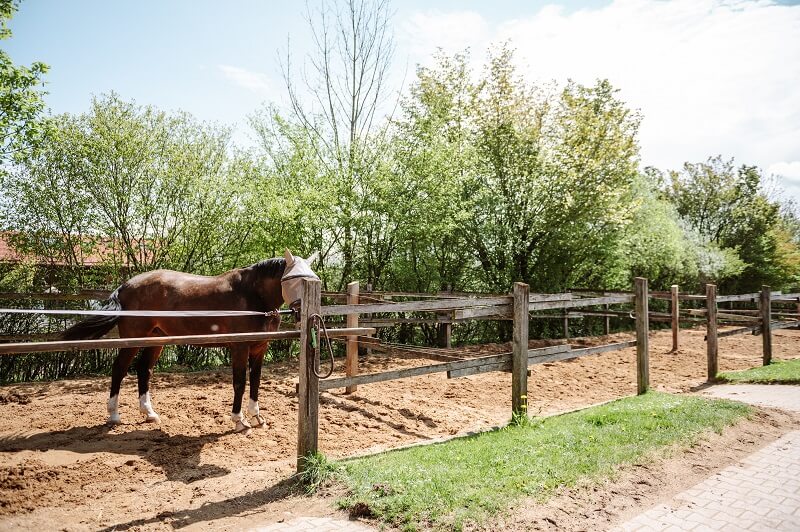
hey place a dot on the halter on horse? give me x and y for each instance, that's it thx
(261, 287)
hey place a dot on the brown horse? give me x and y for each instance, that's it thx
(262, 287)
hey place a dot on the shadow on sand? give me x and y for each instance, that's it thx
(177, 456)
(236, 506)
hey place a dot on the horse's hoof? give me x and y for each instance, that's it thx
(259, 421)
(152, 418)
(114, 419)
(243, 427)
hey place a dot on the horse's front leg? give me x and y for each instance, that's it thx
(256, 361)
(239, 364)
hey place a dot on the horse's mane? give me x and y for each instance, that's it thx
(270, 267)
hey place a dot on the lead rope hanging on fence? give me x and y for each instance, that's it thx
(317, 323)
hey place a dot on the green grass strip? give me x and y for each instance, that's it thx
(779, 372)
(469, 479)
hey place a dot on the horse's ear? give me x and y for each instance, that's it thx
(289, 258)
(314, 256)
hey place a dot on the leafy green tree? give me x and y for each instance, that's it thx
(338, 107)
(21, 95)
(553, 190)
(432, 151)
(728, 208)
(136, 187)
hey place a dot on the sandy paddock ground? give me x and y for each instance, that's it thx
(61, 468)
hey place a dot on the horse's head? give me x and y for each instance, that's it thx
(297, 269)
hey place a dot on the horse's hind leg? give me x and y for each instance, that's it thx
(118, 371)
(144, 371)
(256, 361)
(239, 365)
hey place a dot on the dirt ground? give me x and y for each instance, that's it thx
(61, 468)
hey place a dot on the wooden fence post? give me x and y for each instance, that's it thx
(444, 329)
(711, 331)
(675, 311)
(369, 316)
(308, 390)
(566, 324)
(766, 325)
(642, 343)
(351, 363)
(607, 324)
(519, 357)
(797, 310)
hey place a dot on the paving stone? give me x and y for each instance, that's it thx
(761, 492)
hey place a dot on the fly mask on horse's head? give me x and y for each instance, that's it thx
(297, 269)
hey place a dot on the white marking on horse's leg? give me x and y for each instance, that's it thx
(113, 411)
(253, 410)
(146, 408)
(242, 425)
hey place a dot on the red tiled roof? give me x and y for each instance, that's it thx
(101, 254)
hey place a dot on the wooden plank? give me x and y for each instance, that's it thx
(519, 351)
(576, 353)
(777, 296)
(496, 312)
(744, 297)
(734, 332)
(495, 366)
(675, 314)
(391, 322)
(783, 324)
(564, 296)
(711, 332)
(538, 356)
(736, 317)
(583, 302)
(351, 362)
(308, 390)
(150, 341)
(603, 348)
(538, 352)
(766, 325)
(368, 378)
(415, 306)
(642, 341)
(534, 356)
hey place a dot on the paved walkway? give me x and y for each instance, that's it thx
(762, 492)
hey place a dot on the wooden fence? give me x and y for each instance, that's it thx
(519, 307)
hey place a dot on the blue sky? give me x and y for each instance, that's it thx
(710, 76)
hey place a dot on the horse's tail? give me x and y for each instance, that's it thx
(94, 327)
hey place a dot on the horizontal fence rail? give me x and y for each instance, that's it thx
(414, 306)
(473, 366)
(197, 339)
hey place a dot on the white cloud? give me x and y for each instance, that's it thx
(710, 76)
(255, 82)
(789, 171)
(422, 33)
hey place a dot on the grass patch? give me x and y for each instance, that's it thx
(779, 372)
(317, 472)
(469, 479)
